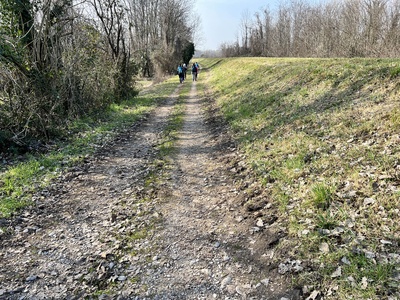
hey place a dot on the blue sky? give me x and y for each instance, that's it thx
(220, 19)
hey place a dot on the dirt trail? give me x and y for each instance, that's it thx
(100, 232)
(205, 249)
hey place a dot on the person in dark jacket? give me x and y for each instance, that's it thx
(194, 72)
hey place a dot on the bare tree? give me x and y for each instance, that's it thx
(334, 28)
(245, 28)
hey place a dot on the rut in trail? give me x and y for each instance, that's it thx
(102, 232)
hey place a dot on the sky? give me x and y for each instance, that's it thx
(220, 19)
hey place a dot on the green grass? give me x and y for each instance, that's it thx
(315, 131)
(321, 196)
(19, 182)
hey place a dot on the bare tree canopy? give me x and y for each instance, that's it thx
(336, 28)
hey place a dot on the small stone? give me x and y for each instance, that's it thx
(206, 272)
(240, 291)
(265, 282)
(260, 223)
(368, 201)
(226, 281)
(351, 280)
(217, 244)
(314, 295)
(324, 248)
(386, 242)
(231, 289)
(78, 277)
(364, 283)
(121, 278)
(350, 224)
(346, 261)
(31, 278)
(325, 232)
(239, 219)
(283, 269)
(337, 231)
(352, 194)
(337, 273)
(369, 254)
(105, 254)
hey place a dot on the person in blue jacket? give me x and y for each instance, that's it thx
(180, 74)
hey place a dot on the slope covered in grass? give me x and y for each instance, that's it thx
(322, 137)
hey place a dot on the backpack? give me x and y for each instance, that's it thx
(194, 69)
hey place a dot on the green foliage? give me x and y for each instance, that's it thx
(188, 53)
(394, 72)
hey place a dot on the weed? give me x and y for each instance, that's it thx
(394, 72)
(326, 220)
(322, 196)
(281, 198)
(138, 235)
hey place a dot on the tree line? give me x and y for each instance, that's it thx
(62, 59)
(336, 28)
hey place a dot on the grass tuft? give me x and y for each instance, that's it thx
(322, 196)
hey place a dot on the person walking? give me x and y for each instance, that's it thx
(184, 67)
(194, 72)
(180, 73)
(198, 69)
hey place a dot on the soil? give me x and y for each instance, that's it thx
(128, 225)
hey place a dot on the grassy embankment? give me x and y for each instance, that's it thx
(21, 180)
(322, 137)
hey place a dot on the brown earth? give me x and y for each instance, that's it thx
(127, 225)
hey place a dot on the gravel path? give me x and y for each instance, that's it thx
(104, 232)
(205, 254)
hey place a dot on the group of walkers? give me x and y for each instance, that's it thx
(182, 70)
